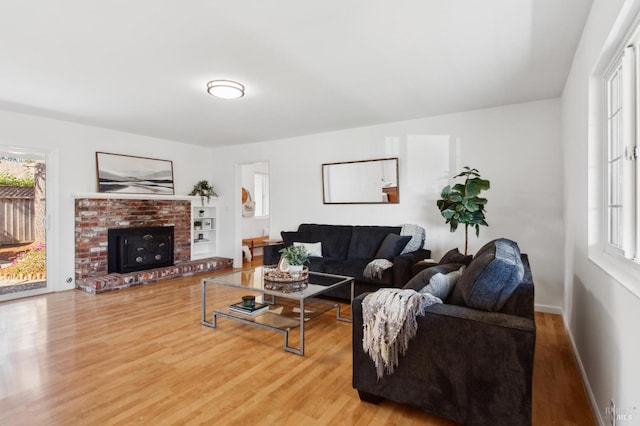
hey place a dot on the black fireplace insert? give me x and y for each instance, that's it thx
(137, 249)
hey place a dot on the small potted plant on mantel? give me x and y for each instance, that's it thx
(203, 189)
(293, 259)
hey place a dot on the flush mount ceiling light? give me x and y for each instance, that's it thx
(225, 89)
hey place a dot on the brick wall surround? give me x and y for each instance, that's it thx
(94, 216)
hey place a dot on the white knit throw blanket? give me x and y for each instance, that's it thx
(389, 322)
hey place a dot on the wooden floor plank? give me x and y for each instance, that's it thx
(141, 356)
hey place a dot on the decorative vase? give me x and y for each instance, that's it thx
(283, 265)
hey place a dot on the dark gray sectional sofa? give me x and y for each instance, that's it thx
(471, 360)
(347, 250)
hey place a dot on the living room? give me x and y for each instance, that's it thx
(535, 154)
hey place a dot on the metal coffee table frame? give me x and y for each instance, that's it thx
(256, 284)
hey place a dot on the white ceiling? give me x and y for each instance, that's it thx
(141, 66)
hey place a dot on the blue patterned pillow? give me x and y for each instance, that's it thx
(492, 276)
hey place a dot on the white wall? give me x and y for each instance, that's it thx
(75, 146)
(516, 147)
(601, 314)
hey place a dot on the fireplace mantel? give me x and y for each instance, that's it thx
(116, 195)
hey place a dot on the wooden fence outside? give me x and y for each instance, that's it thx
(17, 220)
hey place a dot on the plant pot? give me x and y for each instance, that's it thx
(295, 270)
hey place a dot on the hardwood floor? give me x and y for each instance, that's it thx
(140, 356)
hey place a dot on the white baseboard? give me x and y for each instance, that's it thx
(583, 373)
(549, 309)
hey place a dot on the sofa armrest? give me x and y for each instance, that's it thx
(470, 366)
(477, 318)
(403, 265)
(271, 254)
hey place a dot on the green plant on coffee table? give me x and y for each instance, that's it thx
(295, 255)
(462, 204)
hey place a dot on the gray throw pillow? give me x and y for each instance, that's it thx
(391, 246)
(492, 276)
(422, 278)
(440, 285)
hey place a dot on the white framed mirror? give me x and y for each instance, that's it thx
(361, 182)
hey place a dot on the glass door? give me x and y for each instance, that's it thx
(23, 249)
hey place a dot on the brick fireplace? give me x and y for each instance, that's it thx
(95, 216)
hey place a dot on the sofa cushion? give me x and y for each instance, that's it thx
(492, 276)
(391, 246)
(317, 264)
(454, 256)
(350, 268)
(365, 240)
(288, 238)
(334, 238)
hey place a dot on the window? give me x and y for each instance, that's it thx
(621, 219)
(261, 185)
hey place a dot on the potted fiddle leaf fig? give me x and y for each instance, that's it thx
(462, 203)
(203, 189)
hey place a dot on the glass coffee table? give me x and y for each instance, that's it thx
(253, 281)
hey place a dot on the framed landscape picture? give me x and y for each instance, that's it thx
(127, 174)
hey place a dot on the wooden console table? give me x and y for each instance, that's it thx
(259, 242)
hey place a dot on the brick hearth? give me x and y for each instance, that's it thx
(94, 216)
(114, 281)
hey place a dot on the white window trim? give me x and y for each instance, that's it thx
(625, 65)
(631, 99)
(623, 270)
(615, 67)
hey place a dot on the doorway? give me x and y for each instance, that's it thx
(23, 239)
(256, 207)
